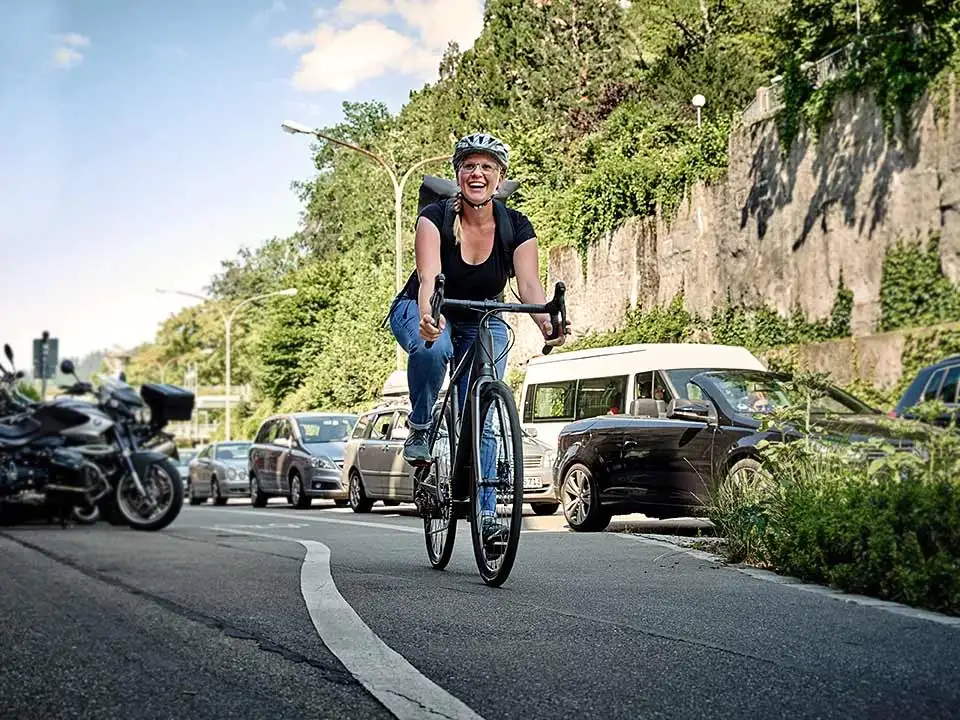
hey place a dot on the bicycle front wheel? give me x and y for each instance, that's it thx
(440, 522)
(497, 486)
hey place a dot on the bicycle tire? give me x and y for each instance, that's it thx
(496, 575)
(438, 553)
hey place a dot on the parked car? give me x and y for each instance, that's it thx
(374, 468)
(219, 472)
(182, 461)
(299, 456)
(664, 459)
(934, 382)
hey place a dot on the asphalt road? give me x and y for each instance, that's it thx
(242, 613)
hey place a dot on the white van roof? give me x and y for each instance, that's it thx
(627, 359)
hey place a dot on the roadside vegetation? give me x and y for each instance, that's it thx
(870, 518)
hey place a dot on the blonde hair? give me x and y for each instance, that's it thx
(457, 224)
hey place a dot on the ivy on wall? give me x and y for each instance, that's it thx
(914, 292)
(900, 49)
(754, 328)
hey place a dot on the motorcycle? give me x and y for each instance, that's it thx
(36, 467)
(123, 436)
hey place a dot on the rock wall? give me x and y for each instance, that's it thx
(780, 229)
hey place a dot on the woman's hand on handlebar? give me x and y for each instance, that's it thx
(546, 328)
(429, 331)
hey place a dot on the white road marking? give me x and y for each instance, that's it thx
(334, 521)
(797, 584)
(386, 674)
(363, 523)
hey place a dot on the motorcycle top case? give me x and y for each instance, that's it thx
(167, 402)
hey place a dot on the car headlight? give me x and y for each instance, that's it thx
(322, 463)
(232, 474)
(548, 460)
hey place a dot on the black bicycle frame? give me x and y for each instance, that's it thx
(480, 362)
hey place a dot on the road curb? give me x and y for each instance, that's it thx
(796, 583)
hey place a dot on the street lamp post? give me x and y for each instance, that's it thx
(228, 322)
(698, 102)
(398, 185)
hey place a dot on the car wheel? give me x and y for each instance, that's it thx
(745, 482)
(257, 498)
(359, 502)
(580, 498)
(298, 498)
(544, 508)
(218, 499)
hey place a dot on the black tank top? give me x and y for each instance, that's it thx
(483, 281)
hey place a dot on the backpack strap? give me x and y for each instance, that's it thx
(506, 232)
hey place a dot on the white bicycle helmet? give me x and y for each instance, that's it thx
(481, 143)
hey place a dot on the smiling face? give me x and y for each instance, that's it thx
(479, 178)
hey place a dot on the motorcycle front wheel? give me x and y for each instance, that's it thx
(165, 490)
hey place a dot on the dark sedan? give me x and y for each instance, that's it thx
(935, 383)
(663, 460)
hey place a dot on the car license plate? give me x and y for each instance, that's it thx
(531, 483)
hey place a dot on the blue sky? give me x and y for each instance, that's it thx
(142, 144)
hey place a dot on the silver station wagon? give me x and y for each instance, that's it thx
(300, 456)
(374, 468)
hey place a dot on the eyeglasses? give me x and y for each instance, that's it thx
(485, 168)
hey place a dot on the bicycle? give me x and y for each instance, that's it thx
(441, 491)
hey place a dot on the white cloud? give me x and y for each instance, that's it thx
(354, 43)
(66, 55)
(75, 39)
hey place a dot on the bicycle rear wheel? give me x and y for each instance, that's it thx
(497, 500)
(439, 522)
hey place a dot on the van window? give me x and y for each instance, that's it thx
(643, 386)
(360, 430)
(264, 436)
(550, 401)
(381, 426)
(660, 389)
(600, 396)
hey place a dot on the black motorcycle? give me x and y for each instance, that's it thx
(123, 436)
(36, 467)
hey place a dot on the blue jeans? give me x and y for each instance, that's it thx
(426, 370)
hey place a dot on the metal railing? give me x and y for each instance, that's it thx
(769, 99)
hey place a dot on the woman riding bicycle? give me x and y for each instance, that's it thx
(473, 261)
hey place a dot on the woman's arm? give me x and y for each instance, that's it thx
(526, 265)
(426, 246)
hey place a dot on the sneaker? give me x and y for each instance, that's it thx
(416, 449)
(495, 535)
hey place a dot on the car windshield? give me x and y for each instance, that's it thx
(330, 428)
(186, 456)
(233, 451)
(757, 392)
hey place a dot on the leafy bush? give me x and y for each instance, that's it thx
(876, 517)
